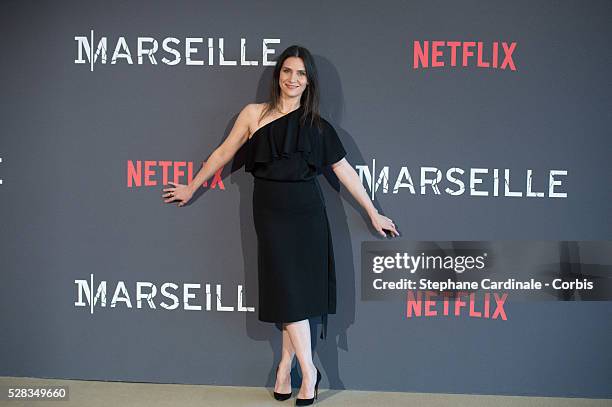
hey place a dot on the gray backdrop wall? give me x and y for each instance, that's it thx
(71, 131)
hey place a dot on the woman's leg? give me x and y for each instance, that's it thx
(283, 375)
(300, 338)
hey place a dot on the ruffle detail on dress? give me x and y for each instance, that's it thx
(284, 137)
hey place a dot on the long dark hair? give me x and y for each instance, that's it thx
(310, 97)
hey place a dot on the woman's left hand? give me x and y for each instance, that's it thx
(382, 223)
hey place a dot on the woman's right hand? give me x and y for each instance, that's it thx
(178, 192)
(382, 224)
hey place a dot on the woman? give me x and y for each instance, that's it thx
(288, 144)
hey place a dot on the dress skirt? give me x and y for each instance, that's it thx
(296, 275)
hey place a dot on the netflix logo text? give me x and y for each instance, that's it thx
(463, 54)
(150, 173)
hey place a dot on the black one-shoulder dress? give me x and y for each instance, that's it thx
(295, 258)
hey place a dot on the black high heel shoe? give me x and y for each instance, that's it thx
(307, 402)
(282, 396)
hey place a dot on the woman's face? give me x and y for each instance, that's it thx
(292, 79)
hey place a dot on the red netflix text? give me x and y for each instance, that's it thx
(148, 173)
(478, 308)
(436, 54)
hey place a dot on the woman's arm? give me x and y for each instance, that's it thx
(221, 156)
(226, 151)
(349, 178)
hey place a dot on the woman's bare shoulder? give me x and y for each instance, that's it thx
(259, 108)
(254, 112)
(249, 115)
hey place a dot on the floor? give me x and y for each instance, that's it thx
(84, 393)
